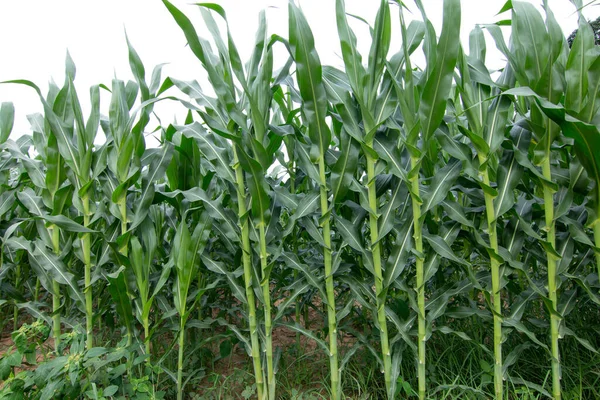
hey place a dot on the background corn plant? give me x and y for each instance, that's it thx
(438, 225)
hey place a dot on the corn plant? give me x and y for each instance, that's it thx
(313, 93)
(74, 141)
(404, 213)
(257, 102)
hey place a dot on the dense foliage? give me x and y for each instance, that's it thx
(440, 225)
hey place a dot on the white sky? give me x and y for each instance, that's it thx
(35, 35)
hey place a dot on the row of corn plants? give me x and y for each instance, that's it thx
(408, 203)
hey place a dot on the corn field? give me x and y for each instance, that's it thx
(391, 216)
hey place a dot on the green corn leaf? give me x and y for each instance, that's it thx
(590, 110)
(33, 168)
(350, 233)
(564, 331)
(286, 199)
(258, 186)
(349, 116)
(440, 185)
(7, 200)
(56, 269)
(380, 46)
(439, 82)
(209, 148)
(54, 166)
(438, 302)
(397, 260)
(32, 202)
(296, 289)
(118, 291)
(344, 168)
(219, 268)
(201, 51)
(315, 279)
(510, 172)
(215, 210)
(137, 67)
(578, 65)
(62, 133)
(310, 78)
(140, 270)
(453, 147)
(336, 85)
(67, 224)
(441, 247)
(156, 171)
(7, 119)
(391, 154)
(355, 71)
(313, 231)
(307, 205)
(184, 268)
(587, 140)
(532, 46)
(520, 327)
(586, 136)
(456, 212)
(497, 118)
(307, 333)
(514, 356)
(400, 196)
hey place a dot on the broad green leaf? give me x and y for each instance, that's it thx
(437, 88)
(259, 189)
(209, 148)
(296, 289)
(439, 245)
(400, 251)
(156, 171)
(118, 291)
(497, 117)
(7, 119)
(352, 58)
(315, 279)
(350, 233)
(510, 172)
(7, 199)
(578, 64)
(532, 46)
(67, 224)
(198, 47)
(440, 185)
(400, 197)
(310, 78)
(183, 265)
(215, 210)
(344, 168)
(56, 269)
(219, 268)
(389, 152)
(307, 205)
(32, 202)
(456, 212)
(380, 46)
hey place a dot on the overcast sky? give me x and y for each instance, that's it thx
(35, 35)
